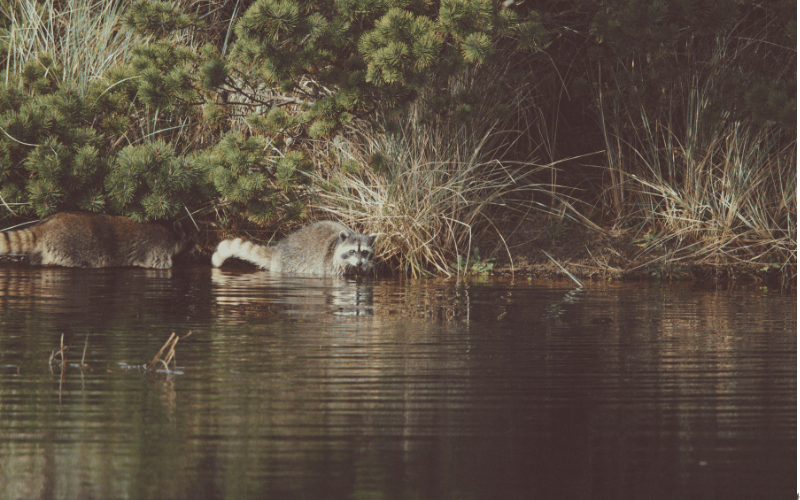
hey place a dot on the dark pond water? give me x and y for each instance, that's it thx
(305, 388)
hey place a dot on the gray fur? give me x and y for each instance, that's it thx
(324, 248)
(96, 240)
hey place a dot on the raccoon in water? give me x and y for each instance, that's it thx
(325, 248)
(96, 240)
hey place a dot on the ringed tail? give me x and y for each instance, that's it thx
(241, 249)
(17, 242)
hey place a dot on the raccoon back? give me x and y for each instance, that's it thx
(314, 249)
(311, 250)
(95, 240)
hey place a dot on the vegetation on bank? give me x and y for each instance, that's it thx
(439, 124)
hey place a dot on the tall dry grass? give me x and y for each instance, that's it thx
(433, 190)
(84, 37)
(736, 201)
(710, 191)
(433, 202)
(435, 184)
(723, 195)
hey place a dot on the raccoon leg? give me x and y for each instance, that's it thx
(244, 250)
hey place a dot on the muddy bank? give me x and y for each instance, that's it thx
(591, 254)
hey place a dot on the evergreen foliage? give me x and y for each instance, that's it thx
(149, 182)
(49, 153)
(250, 181)
(326, 63)
(330, 62)
(58, 151)
(157, 18)
(349, 59)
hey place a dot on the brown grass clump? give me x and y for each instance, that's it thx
(432, 193)
(712, 189)
(725, 196)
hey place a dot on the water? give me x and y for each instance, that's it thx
(306, 388)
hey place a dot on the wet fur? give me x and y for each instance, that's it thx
(320, 248)
(96, 240)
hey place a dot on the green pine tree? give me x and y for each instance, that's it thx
(150, 182)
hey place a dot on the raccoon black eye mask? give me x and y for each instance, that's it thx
(325, 248)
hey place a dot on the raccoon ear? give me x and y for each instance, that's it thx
(178, 228)
(343, 236)
(371, 238)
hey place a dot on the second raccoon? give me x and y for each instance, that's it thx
(96, 240)
(325, 248)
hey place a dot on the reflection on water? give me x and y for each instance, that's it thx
(302, 295)
(297, 387)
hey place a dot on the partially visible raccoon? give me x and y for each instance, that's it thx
(321, 248)
(95, 240)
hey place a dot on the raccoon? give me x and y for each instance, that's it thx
(326, 248)
(95, 240)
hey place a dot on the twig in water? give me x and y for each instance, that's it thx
(85, 347)
(169, 346)
(171, 341)
(576, 280)
(63, 353)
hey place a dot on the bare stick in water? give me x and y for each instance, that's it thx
(573, 278)
(85, 347)
(169, 347)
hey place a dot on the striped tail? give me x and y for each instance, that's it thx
(17, 242)
(244, 250)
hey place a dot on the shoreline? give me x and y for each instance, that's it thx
(617, 255)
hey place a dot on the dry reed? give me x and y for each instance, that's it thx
(436, 198)
(62, 353)
(708, 190)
